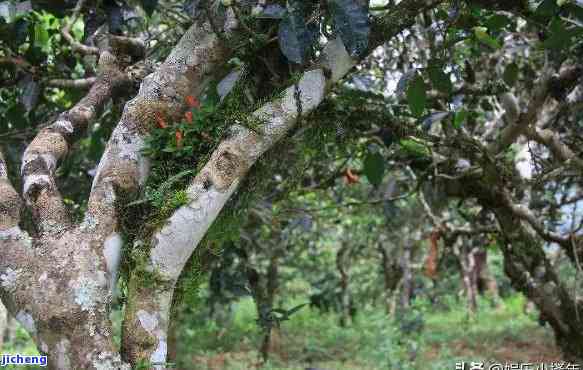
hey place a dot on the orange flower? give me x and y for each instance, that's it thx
(188, 116)
(160, 120)
(192, 102)
(179, 138)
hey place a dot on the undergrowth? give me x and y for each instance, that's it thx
(439, 338)
(421, 338)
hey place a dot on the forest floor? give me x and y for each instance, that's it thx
(426, 338)
(533, 345)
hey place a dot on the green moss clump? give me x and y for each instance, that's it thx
(177, 151)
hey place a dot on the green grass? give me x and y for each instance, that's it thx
(422, 338)
(21, 344)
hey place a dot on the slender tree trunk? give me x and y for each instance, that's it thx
(271, 290)
(473, 282)
(345, 303)
(486, 282)
(395, 299)
(386, 276)
(468, 273)
(391, 275)
(173, 339)
(407, 290)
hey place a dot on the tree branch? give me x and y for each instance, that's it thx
(81, 83)
(52, 144)
(10, 202)
(15, 244)
(553, 142)
(66, 32)
(519, 124)
(516, 125)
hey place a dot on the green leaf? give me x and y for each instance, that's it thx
(149, 6)
(352, 24)
(460, 118)
(417, 95)
(560, 37)
(414, 148)
(374, 167)
(546, 9)
(497, 22)
(510, 75)
(439, 79)
(78, 30)
(405, 81)
(483, 36)
(41, 38)
(294, 36)
(295, 309)
(167, 185)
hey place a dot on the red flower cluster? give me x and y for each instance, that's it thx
(192, 102)
(160, 120)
